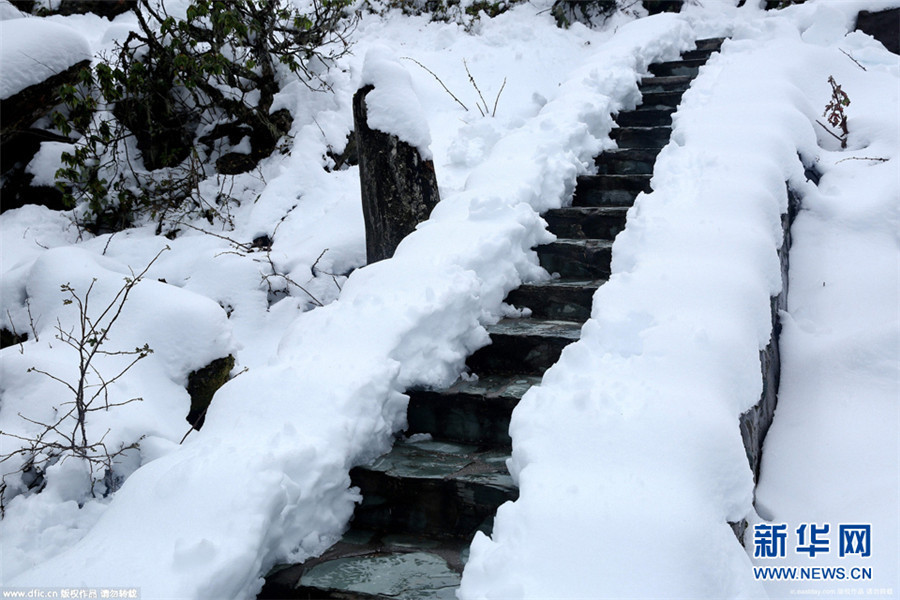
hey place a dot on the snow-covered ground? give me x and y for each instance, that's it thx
(628, 456)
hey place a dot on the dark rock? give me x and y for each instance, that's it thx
(262, 242)
(203, 383)
(159, 127)
(755, 422)
(587, 12)
(235, 163)
(17, 191)
(657, 6)
(23, 108)
(777, 4)
(19, 141)
(104, 8)
(264, 136)
(8, 338)
(26, 6)
(399, 187)
(884, 26)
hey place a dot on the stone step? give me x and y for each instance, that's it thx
(677, 83)
(576, 259)
(689, 67)
(432, 488)
(661, 100)
(698, 54)
(606, 189)
(559, 299)
(368, 565)
(470, 412)
(712, 44)
(645, 118)
(523, 346)
(641, 137)
(580, 222)
(628, 161)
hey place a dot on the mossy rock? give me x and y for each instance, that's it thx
(203, 384)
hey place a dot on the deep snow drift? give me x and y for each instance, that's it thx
(628, 456)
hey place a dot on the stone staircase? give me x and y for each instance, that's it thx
(424, 501)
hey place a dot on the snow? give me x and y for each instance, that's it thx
(47, 161)
(832, 455)
(393, 107)
(628, 456)
(29, 59)
(609, 446)
(8, 11)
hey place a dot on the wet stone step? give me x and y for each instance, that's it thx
(685, 67)
(368, 565)
(523, 346)
(641, 137)
(576, 259)
(627, 161)
(661, 100)
(665, 84)
(563, 300)
(579, 222)
(438, 489)
(712, 44)
(645, 118)
(701, 55)
(471, 412)
(610, 190)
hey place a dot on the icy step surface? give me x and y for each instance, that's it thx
(434, 488)
(472, 412)
(597, 222)
(523, 346)
(665, 84)
(560, 299)
(611, 189)
(661, 117)
(661, 100)
(642, 137)
(629, 161)
(577, 259)
(685, 67)
(367, 565)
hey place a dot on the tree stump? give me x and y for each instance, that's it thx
(399, 187)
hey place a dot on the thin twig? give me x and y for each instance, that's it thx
(497, 99)
(872, 158)
(446, 89)
(834, 135)
(244, 247)
(475, 85)
(853, 59)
